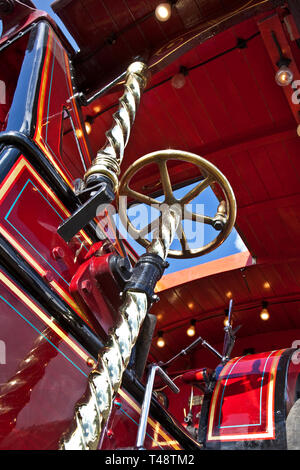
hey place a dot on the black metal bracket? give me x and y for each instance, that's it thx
(147, 271)
(99, 195)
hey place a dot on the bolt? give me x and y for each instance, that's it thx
(110, 433)
(86, 286)
(90, 362)
(58, 252)
(48, 276)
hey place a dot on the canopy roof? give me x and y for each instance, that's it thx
(230, 111)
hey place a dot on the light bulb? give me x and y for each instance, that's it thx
(160, 341)
(97, 108)
(79, 133)
(191, 331)
(178, 81)
(226, 323)
(163, 11)
(88, 127)
(264, 314)
(284, 76)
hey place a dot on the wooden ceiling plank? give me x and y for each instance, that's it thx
(267, 176)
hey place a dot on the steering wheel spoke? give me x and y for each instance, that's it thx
(204, 219)
(165, 179)
(142, 198)
(182, 239)
(154, 224)
(208, 181)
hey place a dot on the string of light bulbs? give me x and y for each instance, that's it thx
(180, 76)
(264, 315)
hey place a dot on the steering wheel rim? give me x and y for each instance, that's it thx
(212, 175)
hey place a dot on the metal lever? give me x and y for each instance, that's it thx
(229, 339)
(154, 368)
(197, 341)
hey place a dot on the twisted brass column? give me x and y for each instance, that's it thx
(104, 381)
(109, 158)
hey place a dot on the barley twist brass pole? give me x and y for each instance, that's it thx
(93, 410)
(110, 156)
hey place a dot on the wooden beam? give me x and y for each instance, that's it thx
(229, 263)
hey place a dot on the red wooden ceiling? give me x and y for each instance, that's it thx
(111, 34)
(232, 112)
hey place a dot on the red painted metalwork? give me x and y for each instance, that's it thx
(243, 402)
(231, 111)
(94, 286)
(198, 376)
(44, 375)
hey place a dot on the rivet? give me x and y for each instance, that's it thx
(86, 286)
(90, 362)
(48, 276)
(58, 252)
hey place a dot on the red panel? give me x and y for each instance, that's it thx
(34, 232)
(44, 375)
(251, 380)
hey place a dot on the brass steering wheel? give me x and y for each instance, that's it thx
(225, 216)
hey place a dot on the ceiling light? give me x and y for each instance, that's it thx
(88, 127)
(160, 341)
(284, 76)
(163, 11)
(97, 108)
(88, 124)
(191, 331)
(264, 314)
(178, 81)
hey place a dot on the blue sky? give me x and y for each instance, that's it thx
(45, 5)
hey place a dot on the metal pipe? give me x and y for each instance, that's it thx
(154, 368)
(118, 80)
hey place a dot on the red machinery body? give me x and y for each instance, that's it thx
(54, 294)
